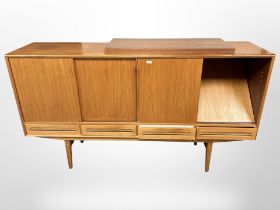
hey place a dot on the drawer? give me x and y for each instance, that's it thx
(35, 129)
(226, 133)
(99, 130)
(168, 132)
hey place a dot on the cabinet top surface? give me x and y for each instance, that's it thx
(100, 50)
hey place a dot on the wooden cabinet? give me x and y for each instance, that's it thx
(168, 90)
(47, 89)
(107, 89)
(192, 90)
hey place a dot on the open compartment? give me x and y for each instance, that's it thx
(232, 90)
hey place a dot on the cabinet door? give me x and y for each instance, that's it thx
(47, 89)
(107, 89)
(168, 90)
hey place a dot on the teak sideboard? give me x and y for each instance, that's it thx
(192, 90)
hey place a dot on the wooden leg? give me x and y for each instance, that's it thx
(208, 146)
(68, 146)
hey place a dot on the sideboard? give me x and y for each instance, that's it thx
(190, 90)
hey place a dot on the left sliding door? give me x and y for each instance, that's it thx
(47, 89)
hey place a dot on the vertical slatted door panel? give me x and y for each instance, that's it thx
(107, 89)
(168, 90)
(47, 89)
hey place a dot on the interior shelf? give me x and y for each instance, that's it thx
(224, 93)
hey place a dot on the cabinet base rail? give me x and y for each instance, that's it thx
(69, 143)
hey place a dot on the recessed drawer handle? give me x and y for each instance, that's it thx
(225, 133)
(51, 129)
(166, 133)
(108, 130)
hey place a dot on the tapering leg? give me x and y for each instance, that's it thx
(68, 146)
(208, 146)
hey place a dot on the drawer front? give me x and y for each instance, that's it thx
(224, 133)
(109, 130)
(35, 129)
(168, 132)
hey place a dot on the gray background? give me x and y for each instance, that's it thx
(138, 175)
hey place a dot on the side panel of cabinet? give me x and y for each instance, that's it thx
(107, 89)
(47, 89)
(168, 90)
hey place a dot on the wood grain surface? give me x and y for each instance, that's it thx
(110, 131)
(224, 93)
(168, 90)
(178, 132)
(47, 89)
(258, 74)
(208, 152)
(51, 129)
(107, 89)
(15, 93)
(97, 50)
(226, 133)
(68, 147)
(190, 46)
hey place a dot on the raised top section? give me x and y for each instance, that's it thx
(97, 50)
(191, 46)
